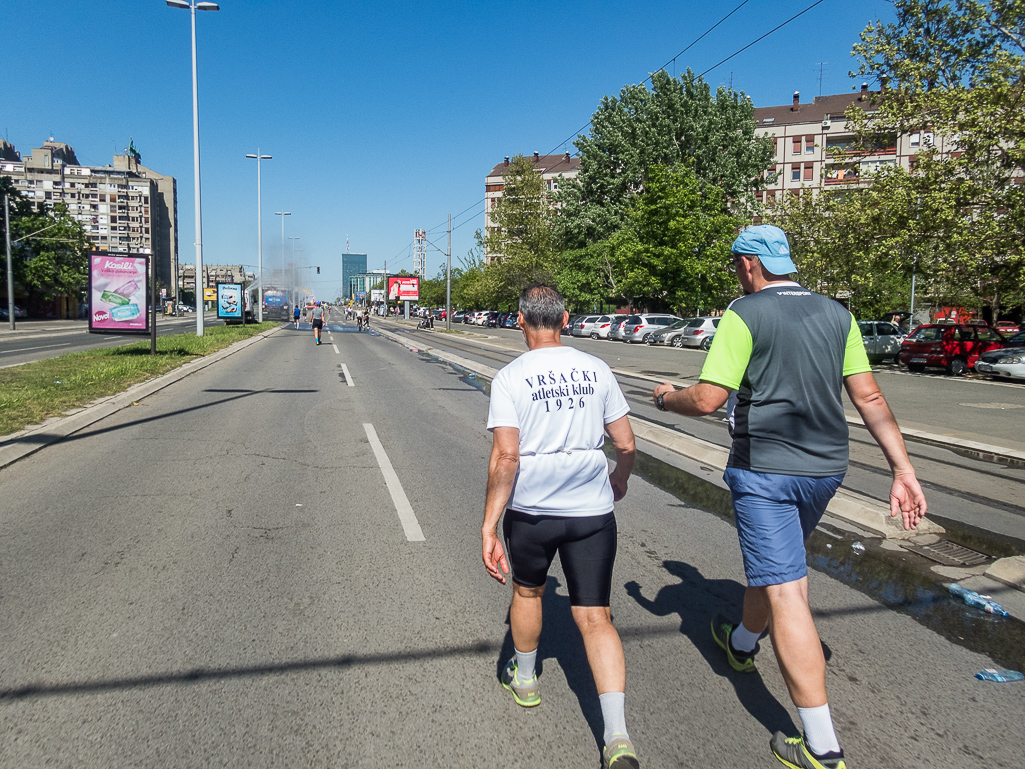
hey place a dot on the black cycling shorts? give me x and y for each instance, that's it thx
(586, 548)
(318, 324)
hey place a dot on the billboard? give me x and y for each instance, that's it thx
(404, 289)
(377, 295)
(118, 294)
(229, 300)
(209, 294)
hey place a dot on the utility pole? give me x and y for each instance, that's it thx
(448, 278)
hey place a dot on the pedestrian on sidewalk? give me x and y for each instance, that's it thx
(789, 456)
(317, 321)
(550, 410)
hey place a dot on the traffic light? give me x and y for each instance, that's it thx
(318, 271)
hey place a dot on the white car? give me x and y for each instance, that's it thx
(1006, 362)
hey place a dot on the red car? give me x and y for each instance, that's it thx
(953, 346)
(1007, 327)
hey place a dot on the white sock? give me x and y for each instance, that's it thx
(743, 640)
(525, 665)
(613, 712)
(818, 730)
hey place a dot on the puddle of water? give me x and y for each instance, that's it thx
(899, 580)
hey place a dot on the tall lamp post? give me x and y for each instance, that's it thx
(282, 214)
(293, 239)
(194, 6)
(259, 236)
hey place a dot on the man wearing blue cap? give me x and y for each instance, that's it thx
(789, 353)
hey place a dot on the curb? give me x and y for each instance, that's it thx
(26, 442)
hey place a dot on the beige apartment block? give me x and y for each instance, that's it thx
(124, 207)
(814, 145)
(554, 169)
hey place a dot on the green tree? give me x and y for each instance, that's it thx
(52, 256)
(954, 70)
(675, 247)
(679, 122)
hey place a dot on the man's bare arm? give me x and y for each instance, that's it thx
(906, 497)
(502, 467)
(622, 436)
(694, 401)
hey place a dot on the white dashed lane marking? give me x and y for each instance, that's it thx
(406, 515)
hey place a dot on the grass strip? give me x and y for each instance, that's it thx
(32, 393)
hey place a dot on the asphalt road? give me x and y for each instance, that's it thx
(43, 339)
(219, 576)
(981, 496)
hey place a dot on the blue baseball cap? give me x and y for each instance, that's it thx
(769, 243)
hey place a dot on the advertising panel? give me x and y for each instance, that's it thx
(404, 289)
(118, 294)
(229, 300)
(377, 295)
(209, 294)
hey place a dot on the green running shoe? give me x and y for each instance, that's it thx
(619, 754)
(526, 695)
(740, 661)
(792, 752)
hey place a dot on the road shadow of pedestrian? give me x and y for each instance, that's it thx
(561, 641)
(696, 599)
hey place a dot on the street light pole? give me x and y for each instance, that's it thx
(448, 278)
(282, 214)
(259, 237)
(10, 264)
(196, 6)
(293, 239)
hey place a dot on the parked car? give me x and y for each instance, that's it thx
(603, 326)
(568, 328)
(458, 315)
(490, 320)
(1008, 361)
(616, 329)
(882, 340)
(481, 317)
(583, 324)
(638, 327)
(18, 312)
(953, 346)
(185, 308)
(1007, 327)
(511, 321)
(700, 332)
(673, 334)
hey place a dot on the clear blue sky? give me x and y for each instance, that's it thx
(382, 117)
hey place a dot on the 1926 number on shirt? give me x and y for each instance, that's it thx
(568, 403)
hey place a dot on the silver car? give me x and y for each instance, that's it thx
(616, 329)
(582, 326)
(700, 332)
(882, 339)
(638, 328)
(673, 335)
(1006, 362)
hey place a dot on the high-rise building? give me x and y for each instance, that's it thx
(352, 264)
(124, 207)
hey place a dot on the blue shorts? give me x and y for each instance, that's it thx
(775, 515)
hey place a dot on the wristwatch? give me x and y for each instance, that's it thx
(658, 402)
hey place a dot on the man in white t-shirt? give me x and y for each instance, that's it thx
(550, 411)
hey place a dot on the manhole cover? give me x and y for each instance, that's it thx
(947, 553)
(996, 406)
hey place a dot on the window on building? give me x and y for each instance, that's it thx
(809, 145)
(808, 168)
(795, 172)
(797, 145)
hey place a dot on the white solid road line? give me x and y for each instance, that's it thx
(406, 515)
(336, 348)
(348, 379)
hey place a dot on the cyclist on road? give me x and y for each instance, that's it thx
(317, 321)
(550, 410)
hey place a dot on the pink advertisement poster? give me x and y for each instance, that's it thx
(117, 293)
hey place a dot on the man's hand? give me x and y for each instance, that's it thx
(907, 499)
(665, 387)
(494, 556)
(618, 486)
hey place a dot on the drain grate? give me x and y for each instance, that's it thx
(947, 553)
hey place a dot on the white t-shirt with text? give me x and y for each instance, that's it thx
(560, 399)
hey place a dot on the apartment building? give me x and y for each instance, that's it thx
(814, 145)
(212, 275)
(553, 168)
(124, 207)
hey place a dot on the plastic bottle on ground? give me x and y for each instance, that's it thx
(1000, 676)
(972, 598)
